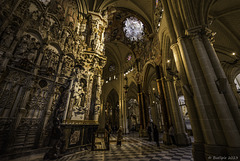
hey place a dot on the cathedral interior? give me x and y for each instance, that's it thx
(74, 72)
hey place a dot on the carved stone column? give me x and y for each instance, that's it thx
(89, 95)
(142, 111)
(102, 116)
(69, 92)
(224, 104)
(142, 120)
(121, 100)
(121, 104)
(215, 105)
(95, 47)
(181, 136)
(217, 87)
(208, 96)
(125, 115)
(166, 138)
(17, 100)
(220, 74)
(21, 112)
(125, 119)
(201, 111)
(54, 96)
(22, 109)
(8, 55)
(39, 59)
(188, 95)
(146, 111)
(98, 94)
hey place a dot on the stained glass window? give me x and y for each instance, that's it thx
(111, 67)
(134, 29)
(156, 3)
(129, 57)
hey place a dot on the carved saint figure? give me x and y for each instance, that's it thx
(78, 93)
(23, 45)
(7, 37)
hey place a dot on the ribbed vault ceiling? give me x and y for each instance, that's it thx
(224, 15)
(226, 23)
(145, 8)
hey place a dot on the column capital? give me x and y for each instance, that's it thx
(174, 46)
(193, 30)
(198, 31)
(181, 38)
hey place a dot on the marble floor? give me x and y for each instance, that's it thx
(133, 148)
(139, 149)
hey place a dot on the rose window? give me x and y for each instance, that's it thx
(133, 28)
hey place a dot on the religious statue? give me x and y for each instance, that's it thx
(78, 96)
(78, 92)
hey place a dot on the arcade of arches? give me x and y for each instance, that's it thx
(69, 68)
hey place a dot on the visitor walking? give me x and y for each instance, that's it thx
(149, 130)
(171, 134)
(107, 130)
(119, 136)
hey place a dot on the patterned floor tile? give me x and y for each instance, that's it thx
(138, 149)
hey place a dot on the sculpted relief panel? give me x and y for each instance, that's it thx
(45, 47)
(49, 62)
(78, 100)
(26, 52)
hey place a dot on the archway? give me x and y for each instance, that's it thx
(184, 112)
(133, 117)
(152, 97)
(112, 110)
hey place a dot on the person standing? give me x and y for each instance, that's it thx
(107, 130)
(149, 132)
(156, 134)
(119, 136)
(171, 134)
